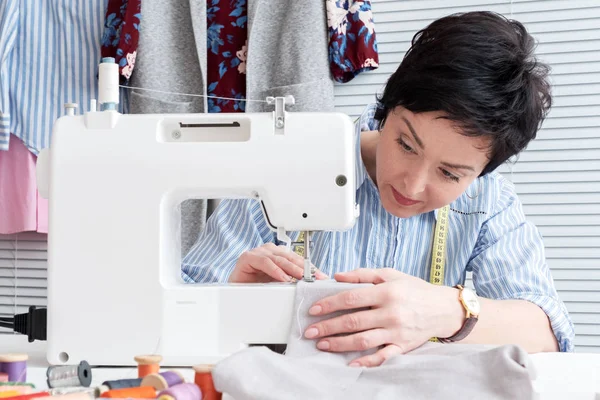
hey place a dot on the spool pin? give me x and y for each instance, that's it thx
(148, 364)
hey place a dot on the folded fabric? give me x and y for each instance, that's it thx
(447, 372)
(307, 293)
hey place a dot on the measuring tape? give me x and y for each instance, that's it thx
(438, 250)
(299, 249)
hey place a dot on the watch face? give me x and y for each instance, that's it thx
(470, 299)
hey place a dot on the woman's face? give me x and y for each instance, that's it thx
(424, 162)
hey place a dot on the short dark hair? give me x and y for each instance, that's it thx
(478, 68)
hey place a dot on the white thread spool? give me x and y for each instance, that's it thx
(108, 83)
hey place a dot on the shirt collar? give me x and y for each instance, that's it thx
(364, 123)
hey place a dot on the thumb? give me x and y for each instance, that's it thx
(367, 275)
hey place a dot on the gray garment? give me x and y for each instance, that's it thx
(446, 372)
(450, 371)
(286, 58)
(171, 56)
(306, 295)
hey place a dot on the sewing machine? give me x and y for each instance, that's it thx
(115, 183)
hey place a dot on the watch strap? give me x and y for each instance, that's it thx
(463, 332)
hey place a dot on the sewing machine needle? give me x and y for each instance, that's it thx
(308, 268)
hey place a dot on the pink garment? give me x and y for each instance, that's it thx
(21, 207)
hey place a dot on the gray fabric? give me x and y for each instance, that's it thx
(171, 56)
(445, 371)
(448, 372)
(306, 295)
(286, 58)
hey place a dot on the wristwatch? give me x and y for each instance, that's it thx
(470, 302)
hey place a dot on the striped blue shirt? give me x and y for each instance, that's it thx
(49, 55)
(487, 235)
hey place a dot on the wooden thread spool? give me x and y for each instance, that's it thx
(10, 393)
(203, 378)
(15, 365)
(148, 364)
(19, 389)
(142, 392)
(183, 391)
(122, 383)
(31, 396)
(163, 380)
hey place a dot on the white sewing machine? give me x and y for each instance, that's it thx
(114, 184)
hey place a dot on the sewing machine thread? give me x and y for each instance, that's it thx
(163, 380)
(183, 391)
(142, 392)
(203, 378)
(69, 375)
(123, 383)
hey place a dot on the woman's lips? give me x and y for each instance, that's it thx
(403, 201)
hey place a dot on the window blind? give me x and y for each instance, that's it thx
(22, 273)
(558, 176)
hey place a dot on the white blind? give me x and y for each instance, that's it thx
(22, 273)
(558, 176)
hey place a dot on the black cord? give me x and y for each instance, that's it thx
(6, 325)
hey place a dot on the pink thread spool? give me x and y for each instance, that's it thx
(15, 366)
(3, 377)
(183, 391)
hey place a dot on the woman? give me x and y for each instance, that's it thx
(467, 96)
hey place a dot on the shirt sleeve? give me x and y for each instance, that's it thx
(509, 263)
(237, 225)
(9, 13)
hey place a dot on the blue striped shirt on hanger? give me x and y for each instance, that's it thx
(487, 235)
(49, 56)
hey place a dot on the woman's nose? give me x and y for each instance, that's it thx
(415, 182)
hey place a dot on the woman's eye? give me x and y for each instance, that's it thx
(449, 175)
(404, 146)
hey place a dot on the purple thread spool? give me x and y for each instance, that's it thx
(183, 391)
(15, 366)
(163, 380)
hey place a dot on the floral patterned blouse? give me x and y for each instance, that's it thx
(227, 39)
(121, 34)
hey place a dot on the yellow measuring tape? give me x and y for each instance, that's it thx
(438, 250)
(299, 249)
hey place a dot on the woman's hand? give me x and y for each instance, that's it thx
(404, 313)
(269, 263)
